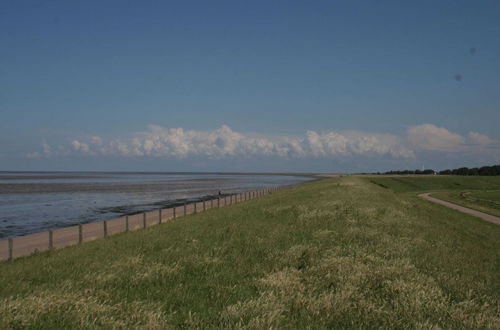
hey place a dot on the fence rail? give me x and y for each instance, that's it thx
(58, 238)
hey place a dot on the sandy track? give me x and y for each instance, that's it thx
(484, 216)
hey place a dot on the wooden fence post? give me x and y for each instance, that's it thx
(126, 223)
(218, 202)
(105, 228)
(174, 211)
(212, 203)
(159, 216)
(80, 234)
(184, 208)
(195, 207)
(204, 206)
(11, 248)
(51, 241)
(144, 220)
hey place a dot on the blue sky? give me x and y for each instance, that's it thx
(261, 85)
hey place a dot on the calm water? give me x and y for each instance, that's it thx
(39, 201)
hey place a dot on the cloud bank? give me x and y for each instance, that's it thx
(429, 137)
(222, 143)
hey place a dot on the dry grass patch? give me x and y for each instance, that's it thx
(78, 308)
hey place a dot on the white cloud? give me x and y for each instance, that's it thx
(432, 138)
(429, 137)
(480, 139)
(45, 152)
(45, 148)
(96, 140)
(80, 146)
(222, 143)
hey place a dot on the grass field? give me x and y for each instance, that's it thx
(484, 201)
(335, 253)
(476, 192)
(436, 183)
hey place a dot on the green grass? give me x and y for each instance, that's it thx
(492, 196)
(476, 192)
(484, 201)
(435, 183)
(337, 253)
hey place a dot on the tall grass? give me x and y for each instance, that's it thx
(330, 254)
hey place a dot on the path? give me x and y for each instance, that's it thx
(484, 216)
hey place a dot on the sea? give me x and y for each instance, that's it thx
(32, 202)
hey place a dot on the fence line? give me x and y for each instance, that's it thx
(58, 238)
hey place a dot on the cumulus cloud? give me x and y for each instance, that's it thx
(80, 146)
(480, 139)
(429, 137)
(224, 142)
(433, 138)
(45, 152)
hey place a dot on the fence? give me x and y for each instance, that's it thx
(58, 238)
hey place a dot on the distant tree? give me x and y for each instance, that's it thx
(485, 170)
(460, 171)
(473, 171)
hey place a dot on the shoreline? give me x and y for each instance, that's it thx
(31, 207)
(135, 209)
(26, 245)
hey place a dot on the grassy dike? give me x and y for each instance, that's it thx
(333, 253)
(484, 201)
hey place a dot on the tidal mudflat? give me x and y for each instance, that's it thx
(31, 202)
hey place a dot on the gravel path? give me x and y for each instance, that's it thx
(484, 216)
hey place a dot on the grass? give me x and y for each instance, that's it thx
(335, 253)
(476, 192)
(435, 183)
(484, 201)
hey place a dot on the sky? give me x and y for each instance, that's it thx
(302, 86)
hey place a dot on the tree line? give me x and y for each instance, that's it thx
(485, 170)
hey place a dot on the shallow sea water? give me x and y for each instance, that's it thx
(31, 202)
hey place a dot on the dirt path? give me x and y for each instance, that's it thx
(484, 216)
